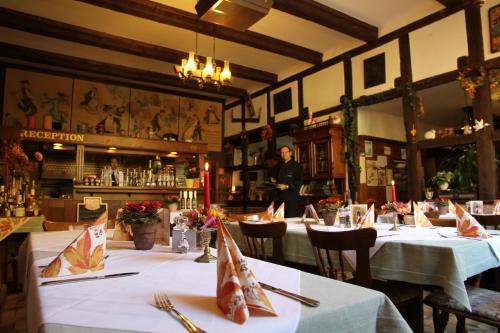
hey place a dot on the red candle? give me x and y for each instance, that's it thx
(394, 192)
(206, 178)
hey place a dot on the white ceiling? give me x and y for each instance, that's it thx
(387, 15)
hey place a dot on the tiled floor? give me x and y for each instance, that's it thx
(13, 318)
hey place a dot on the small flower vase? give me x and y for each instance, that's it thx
(395, 221)
(329, 217)
(189, 182)
(144, 236)
(172, 207)
(206, 257)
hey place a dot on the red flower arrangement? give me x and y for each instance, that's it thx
(441, 202)
(145, 212)
(200, 220)
(329, 204)
(396, 207)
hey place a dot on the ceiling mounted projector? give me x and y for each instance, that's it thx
(236, 14)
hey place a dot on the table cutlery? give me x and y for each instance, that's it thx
(380, 236)
(89, 278)
(163, 303)
(300, 298)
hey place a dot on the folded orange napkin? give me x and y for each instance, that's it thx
(82, 255)
(421, 221)
(309, 210)
(238, 292)
(279, 215)
(467, 225)
(451, 207)
(122, 232)
(368, 219)
(496, 209)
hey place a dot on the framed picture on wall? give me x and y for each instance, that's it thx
(494, 20)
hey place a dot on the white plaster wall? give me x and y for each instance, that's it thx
(324, 88)
(392, 69)
(435, 48)
(486, 30)
(294, 111)
(231, 128)
(380, 124)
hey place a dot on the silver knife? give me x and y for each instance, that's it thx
(302, 299)
(89, 278)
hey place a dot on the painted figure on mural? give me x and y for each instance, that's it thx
(156, 121)
(59, 117)
(26, 103)
(90, 100)
(193, 130)
(211, 116)
(115, 113)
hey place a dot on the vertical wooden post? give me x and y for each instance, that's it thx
(80, 162)
(482, 107)
(413, 164)
(244, 157)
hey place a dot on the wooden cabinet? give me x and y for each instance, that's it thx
(318, 148)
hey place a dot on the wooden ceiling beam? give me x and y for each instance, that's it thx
(450, 3)
(158, 12)
(97, 67)
(326, 16)
(47, 27)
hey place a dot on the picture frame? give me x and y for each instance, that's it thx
(357, 213)
(494, 27)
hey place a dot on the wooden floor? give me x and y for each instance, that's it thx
(13, 318)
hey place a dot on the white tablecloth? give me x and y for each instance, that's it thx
(126, 304)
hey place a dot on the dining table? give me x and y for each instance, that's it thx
(424, 256)
(127, 304)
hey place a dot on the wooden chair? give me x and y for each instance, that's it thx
(406, 297)
(488, 220)
(485, 306)
(255, 235)
(246, 217)
(63, 226)
(437, 222)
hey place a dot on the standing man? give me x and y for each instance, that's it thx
(116, 175)
(288, 183)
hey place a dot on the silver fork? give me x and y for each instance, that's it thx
(163, 303)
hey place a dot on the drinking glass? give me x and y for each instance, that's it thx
(345, 217)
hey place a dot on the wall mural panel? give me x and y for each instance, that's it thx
(154, 115)
(100, 108)
(93, 107)
(201, 121)
(34, 96)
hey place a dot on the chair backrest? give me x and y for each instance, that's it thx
(437, 222)
(323, 242)
(255, 236)
(432, 214)
(62, 226)
(246, 217)
(488, 220)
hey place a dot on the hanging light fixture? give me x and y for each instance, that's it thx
(209, 73)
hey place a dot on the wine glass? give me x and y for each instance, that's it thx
(429, 193)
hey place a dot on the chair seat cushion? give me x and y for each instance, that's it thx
(484, 303)
(398, 292)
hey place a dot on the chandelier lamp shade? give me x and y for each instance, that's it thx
(209, 73)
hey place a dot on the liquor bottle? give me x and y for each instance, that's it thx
(30, 208)
(182, 200)
(193, 202)
(20, 209)
(189, 199)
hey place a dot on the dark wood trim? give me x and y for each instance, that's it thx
(158, 12)
(447, 141)
(115, 81)
(328, 17)
(486, 160)
(43, 26)
(102, 68)
(2, 89)
(300, 92)
(496, 135)
(450, 3)
(328, 111)
(232, 105)
(492, 63)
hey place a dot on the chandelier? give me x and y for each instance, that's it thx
(209, 73)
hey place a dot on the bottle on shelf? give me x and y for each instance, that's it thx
(193, 202)
(189, 199)
(182, 201)
(20, 209)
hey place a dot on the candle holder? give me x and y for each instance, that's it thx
(206, 257)
(395, 221)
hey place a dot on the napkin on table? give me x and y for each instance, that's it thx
(238, 292)
(421, 221)
(368, 220)
(467, 225)
(309, 209)
(496, 209)
(451, 207)
(279, 215)
(82, 255)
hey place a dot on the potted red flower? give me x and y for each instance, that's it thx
(143, 217)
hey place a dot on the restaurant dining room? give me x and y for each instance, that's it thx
(249, 166)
